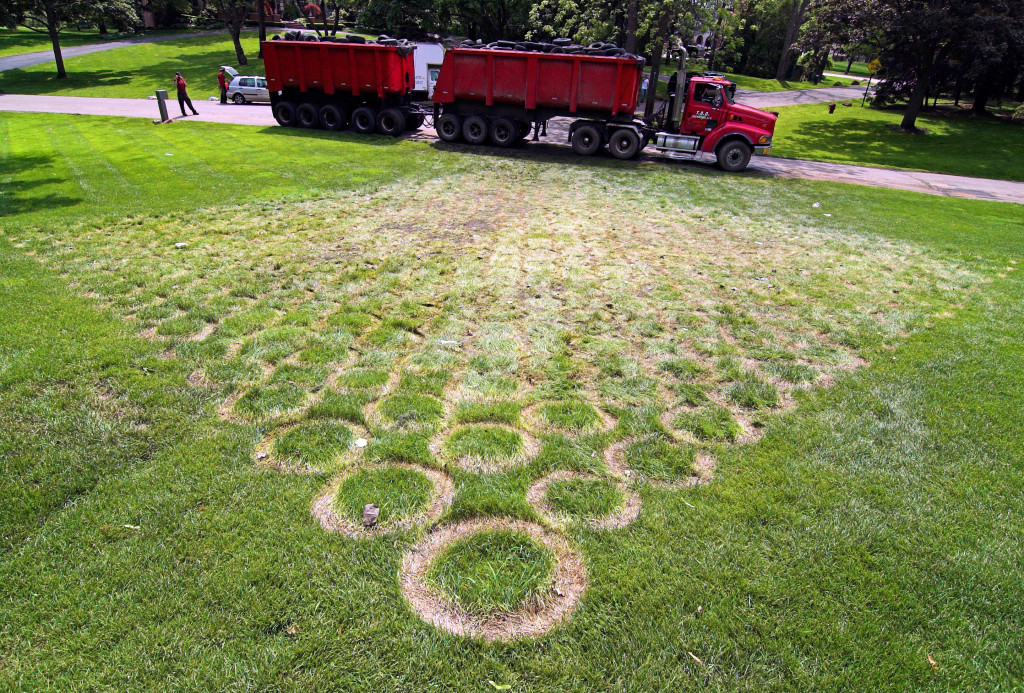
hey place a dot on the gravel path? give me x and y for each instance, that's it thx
(932, 183)
(15, 62)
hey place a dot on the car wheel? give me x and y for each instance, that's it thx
(733, 156)
(449, 127)
(364, 120)
(504, 132)
(238, 98)
(475, 130)
(391, 122)
(284, 114)
(331, 117)
(624, 144)
(307, 115)
(586, 140)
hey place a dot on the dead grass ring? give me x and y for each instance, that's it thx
(568, 583)
(536, 496)
(442, 496)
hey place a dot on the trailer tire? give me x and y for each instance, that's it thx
(733, 155)
(391, 122)
(414, 121)
(284, 114)
(449, 127)
(307, 116)
(475, 130)
(332, 117)
(364, 120)
(586, 140)
(504, 132)
(524, 129)
(624, 143)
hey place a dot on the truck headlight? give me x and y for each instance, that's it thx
(765, 139)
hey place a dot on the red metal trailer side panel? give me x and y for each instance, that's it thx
(605, 84)
(354, 68)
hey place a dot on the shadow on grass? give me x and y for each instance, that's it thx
(24, 196)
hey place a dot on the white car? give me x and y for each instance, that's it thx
(247, 88)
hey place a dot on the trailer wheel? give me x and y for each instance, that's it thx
(586, 140)
(414, 121)
(284, 114)
(364, 120)
(475, 130)
(524, 129)
(733, 156)
(391, 122)
(449, 127)
(624, 144)
(331, 117)
(504, 132)
(307, 116)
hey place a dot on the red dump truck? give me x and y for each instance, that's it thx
(497, 93)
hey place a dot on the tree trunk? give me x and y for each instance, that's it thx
(849, 64)
(915, 102)
(102, 26)
(54, 32)
(235, 27)
(796, 18)
(263, 25)
(981, 95)
(632, 12)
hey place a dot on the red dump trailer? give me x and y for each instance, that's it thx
(329, 84)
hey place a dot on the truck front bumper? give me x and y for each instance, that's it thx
(763, 150)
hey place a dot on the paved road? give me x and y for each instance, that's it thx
(932, 183)
(795, 97)
(15, 62)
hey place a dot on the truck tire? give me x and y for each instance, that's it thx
(332, 117)
(449, 127)
(624, 143)
(414, 121)
(364, 120)
(391, 122)
(504, 132)
(284, 114)
(586, 140)
(475, 130)
(307, 116)
(733, 155)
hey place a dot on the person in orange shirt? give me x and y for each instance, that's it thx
(182, 86)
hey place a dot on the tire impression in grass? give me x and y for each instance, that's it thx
(332, 520)
(627, 510)
(567, 583)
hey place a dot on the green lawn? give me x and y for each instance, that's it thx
(22, 40)
(873, 530)
(957, 145)
(136, 71)
(856, 70)
(761, 84)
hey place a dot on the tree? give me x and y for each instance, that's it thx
(233, 12)
(797, 16)
(53, 16)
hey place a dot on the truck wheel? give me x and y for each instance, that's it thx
(475, 130)
(586, 140)
(624, 144)
(414, 121)
(524, 129)
(364, 120)
(284, 114)
(733, 156)
(331, 117)
(391, 122)
(504, 132)
(307, 115)
(238, 98)
(449, 127)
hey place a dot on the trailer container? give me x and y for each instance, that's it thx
(327, 84)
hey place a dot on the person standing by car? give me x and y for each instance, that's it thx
(222, 80)
(182, 86)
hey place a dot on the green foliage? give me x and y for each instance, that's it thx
(313, 443)
(489, 412)
(407, 408)
(657, 458)
(344, 406)
(571, 415)
(584, 498)
(483, 443)
(712, 422)
(751, 392)
(493, 571)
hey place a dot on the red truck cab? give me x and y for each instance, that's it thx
(711, 122)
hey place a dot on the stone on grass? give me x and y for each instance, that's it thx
(370, 514)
